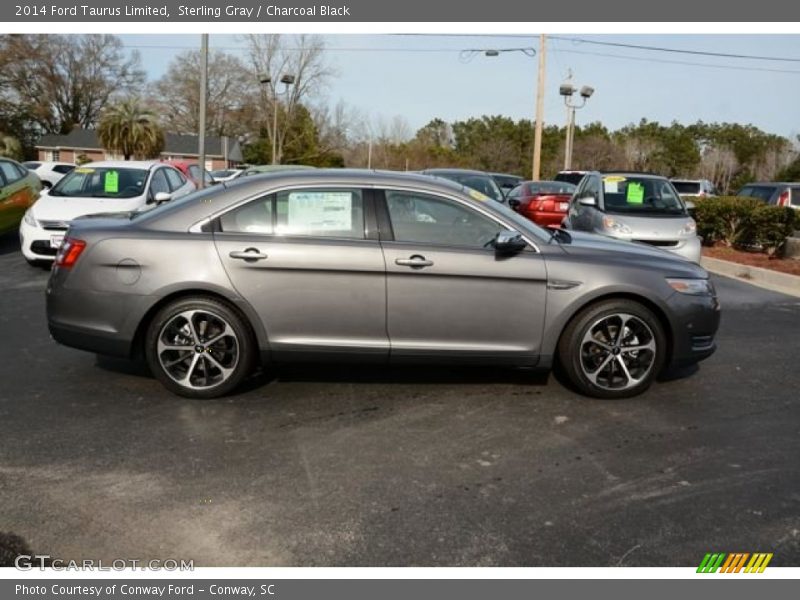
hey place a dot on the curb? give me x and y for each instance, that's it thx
(771, 280)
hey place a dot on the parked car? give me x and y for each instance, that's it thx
(635, 206)
(371, 266)
(191, 170)
(48, 171)
(573, 177)
(98, 187)
(476, 180)
(261, 169)
(543, 202)
(702, 188)
(506, 182)
(225, 175)
(19, 188)
(776, 193)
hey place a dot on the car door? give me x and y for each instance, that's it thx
(16, 194)
(315, 274)
(179, 185)
(448, 293)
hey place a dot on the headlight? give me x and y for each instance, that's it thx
(28, 218)
(689, 228)
(695, 287)
(615, 226)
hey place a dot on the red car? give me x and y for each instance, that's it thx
(192, 171)
(543, 202)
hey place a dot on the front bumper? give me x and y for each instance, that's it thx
(694, 321)
(38, 243)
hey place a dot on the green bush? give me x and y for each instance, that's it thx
(744, 222)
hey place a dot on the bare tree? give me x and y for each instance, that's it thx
(66, 80)
(273, 56)
(232, 95)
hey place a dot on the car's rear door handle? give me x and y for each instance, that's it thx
(416, 261)
(248, 254)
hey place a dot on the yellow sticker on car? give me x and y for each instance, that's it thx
(478, 196)
(84, 170)
(614, 179)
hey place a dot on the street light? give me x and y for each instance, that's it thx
(287, 80)
(567, 90)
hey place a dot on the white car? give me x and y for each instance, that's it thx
(49, 172)
(226, 174)
(101, 187)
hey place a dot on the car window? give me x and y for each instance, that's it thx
(551, 187)
(626, 194)
(794, 197)
(335, 213)
(516, 192)
(175, 179)
(425, 219)
(32, 165)
(63, 169)
(159, 183)
(10, 172)
(691, 188)
(253, 217)
(101, 182)
(591, 187)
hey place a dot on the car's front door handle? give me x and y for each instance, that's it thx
(415, 262)
(248, 254)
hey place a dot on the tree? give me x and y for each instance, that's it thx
(232, 95)
(65, 80)
(10, 147)
(274, 56)
(129, 129)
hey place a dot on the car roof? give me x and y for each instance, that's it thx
(770, 183)
(120, 164)
(633, 174)
(457, 172)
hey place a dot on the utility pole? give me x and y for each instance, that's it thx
(201, 143)
(537, 136)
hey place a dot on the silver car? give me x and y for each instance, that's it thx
(636, 207)
(380, 267)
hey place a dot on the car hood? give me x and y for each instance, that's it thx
(66, 208)
(622, 250)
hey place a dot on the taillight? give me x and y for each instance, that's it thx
(783, 199)
(69, 252)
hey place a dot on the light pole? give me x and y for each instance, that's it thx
(286, 80)
(567, 90)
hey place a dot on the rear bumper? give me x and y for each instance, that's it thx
(546, 218)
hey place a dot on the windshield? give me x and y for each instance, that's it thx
(102, 182)
(691, 188)
(481, 183)
(625, 194)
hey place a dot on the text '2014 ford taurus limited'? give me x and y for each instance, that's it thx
(383, 267)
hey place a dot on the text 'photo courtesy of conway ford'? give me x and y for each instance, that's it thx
(381, 267)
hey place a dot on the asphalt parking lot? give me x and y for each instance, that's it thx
(392, 467)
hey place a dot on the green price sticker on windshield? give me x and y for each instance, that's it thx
(111, 182)
(635, 193)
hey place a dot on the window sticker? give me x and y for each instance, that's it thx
(635, 193)
(477, 195)
(111, 182)
(84, 170)
(611, 183)
(319, 211)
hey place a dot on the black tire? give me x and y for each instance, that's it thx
(236, 350)
(578, 351)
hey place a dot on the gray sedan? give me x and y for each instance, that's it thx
(380, 267)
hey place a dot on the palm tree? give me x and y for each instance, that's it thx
(10, 147)
(130, 129)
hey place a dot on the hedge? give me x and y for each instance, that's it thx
(744, 223)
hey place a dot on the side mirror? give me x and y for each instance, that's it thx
(162, 197)
(509, 242)
(587, 201)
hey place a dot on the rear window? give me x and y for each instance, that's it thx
(687, 187)
(63, 169)
(551, 187)
(32, 165)
(761, 192)
(573, 177)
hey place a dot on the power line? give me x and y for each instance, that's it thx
(675, 50)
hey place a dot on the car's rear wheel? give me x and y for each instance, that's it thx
(199, 348)
(613, 349)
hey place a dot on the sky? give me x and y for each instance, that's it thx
(425, 77)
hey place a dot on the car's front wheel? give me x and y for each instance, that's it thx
(613, 349)
(199, 348)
